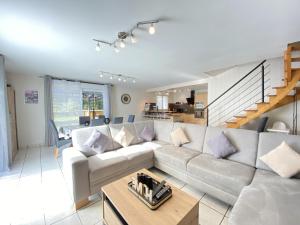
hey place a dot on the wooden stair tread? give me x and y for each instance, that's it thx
(231, 122)
(279, 87)
(296, 59)
(250, 110)
(240, 116)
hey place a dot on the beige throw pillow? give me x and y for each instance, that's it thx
(178, 137)
(124, 137)
(283, 160)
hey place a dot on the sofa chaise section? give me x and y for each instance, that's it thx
(269, 199)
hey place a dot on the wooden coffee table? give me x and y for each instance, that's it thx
(120, 206)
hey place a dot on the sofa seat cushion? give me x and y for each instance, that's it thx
(137, 153)
(269, 200)
(105, 165)
(176, 157)
(229, 176)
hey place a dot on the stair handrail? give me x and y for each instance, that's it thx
(236, 83)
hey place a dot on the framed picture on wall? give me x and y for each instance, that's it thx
(31, 97)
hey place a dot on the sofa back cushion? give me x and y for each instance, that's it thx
(195, 133)
(162, 130)
(269, 141)
(140, 126)
(245, 142)
(116, 128)
(80, 136)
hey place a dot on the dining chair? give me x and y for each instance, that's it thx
(60, 143)
(97, 122)
(131, 118)
(84, 120)
(117, 120)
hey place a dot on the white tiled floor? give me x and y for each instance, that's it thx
(34, 192)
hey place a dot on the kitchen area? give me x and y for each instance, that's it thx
(184, 105)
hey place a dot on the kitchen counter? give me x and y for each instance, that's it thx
(175, 117)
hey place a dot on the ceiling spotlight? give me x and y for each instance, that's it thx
(101, 75)
(98, 48)
(151, 29)
(122, 44)
(133, 39)
(111, 77)
(124, 80)
(117, 50)
(134, 81)
(120, 79)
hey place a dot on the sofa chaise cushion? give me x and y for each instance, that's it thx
(176, 157)
(269, 200)
(224, 174)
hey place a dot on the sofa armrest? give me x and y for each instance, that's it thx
(76, 172)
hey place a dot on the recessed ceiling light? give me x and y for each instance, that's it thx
(111, 77)
(101, 75)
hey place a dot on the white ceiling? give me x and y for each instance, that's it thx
(54, 36)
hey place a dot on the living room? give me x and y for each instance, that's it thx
(113, 112)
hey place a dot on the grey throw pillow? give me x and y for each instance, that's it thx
(96, 143)
(220, 146)
(147, 134)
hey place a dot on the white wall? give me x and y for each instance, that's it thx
(218, 84)
(30, 117)
(136, 106)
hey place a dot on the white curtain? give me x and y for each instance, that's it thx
(67, 102)
(49, 139)
(5, 143)
(107, 101)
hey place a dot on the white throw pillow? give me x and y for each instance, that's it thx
(178, 137)
(283, 160)
(124, 137)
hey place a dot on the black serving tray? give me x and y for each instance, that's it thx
(155, 203)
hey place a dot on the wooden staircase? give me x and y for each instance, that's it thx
(282, 96)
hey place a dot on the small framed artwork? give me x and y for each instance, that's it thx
(31, 97)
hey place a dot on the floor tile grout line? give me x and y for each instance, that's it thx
(222, 220)
(213, 209)
(25, 157)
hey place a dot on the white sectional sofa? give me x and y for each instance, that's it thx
(259, 196)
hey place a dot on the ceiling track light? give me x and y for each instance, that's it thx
(98, 48)
(122, 36)
(151, 29)
(119, 77)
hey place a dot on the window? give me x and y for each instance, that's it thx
(74, 99)
(162, 102)
(92, 103)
